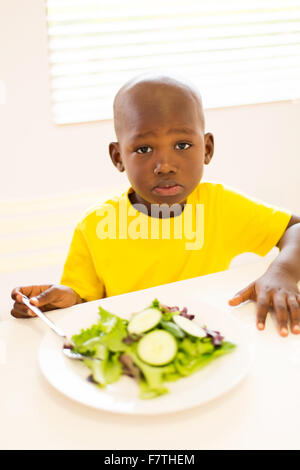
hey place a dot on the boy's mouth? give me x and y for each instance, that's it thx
(168, 188)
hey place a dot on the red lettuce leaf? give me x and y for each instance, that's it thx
(216, 336)
(129, 339)
(184, 313)
(129, 367)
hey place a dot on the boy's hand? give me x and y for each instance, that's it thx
(46, 297)
(278, 290)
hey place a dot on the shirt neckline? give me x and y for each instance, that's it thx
(142, 214)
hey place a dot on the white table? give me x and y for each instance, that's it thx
(261, 412)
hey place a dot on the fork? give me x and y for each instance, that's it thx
(68, 346)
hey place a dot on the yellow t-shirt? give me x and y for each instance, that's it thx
(117, 249)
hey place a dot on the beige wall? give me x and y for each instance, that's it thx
(257, 146)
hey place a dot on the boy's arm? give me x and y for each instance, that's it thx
(278, 288)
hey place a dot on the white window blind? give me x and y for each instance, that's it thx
(236, 52)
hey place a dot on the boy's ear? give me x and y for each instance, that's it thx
(115, 155)
(209, 147)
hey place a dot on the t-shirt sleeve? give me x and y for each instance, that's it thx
(79, 272)
(250, 225)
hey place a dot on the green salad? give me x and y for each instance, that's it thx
(156, 345)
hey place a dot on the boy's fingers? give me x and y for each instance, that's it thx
(29, 291)
(17, 314)
(294, 308)
(282, 314)
(262, 308)
(26, 290)
(21, 311)
(243, 295)
(45, 297)
(16, 294)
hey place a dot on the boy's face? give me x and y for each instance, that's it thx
(162, 145)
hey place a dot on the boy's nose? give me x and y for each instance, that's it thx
(164, 168)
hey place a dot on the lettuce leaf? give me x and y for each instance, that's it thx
(152, 381)
(192, 355)
(103, 343)
(105, 371)
(109, 332)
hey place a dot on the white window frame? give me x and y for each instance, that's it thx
(237, 52)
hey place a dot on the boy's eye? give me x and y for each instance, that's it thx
(144, 149)
(182, 146)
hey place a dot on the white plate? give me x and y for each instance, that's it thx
(69, 376)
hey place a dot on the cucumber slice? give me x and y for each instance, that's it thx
(157, 348)
(144, 320)
(189, 326)
(172, 328)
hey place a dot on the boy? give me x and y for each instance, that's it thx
(163, 148)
